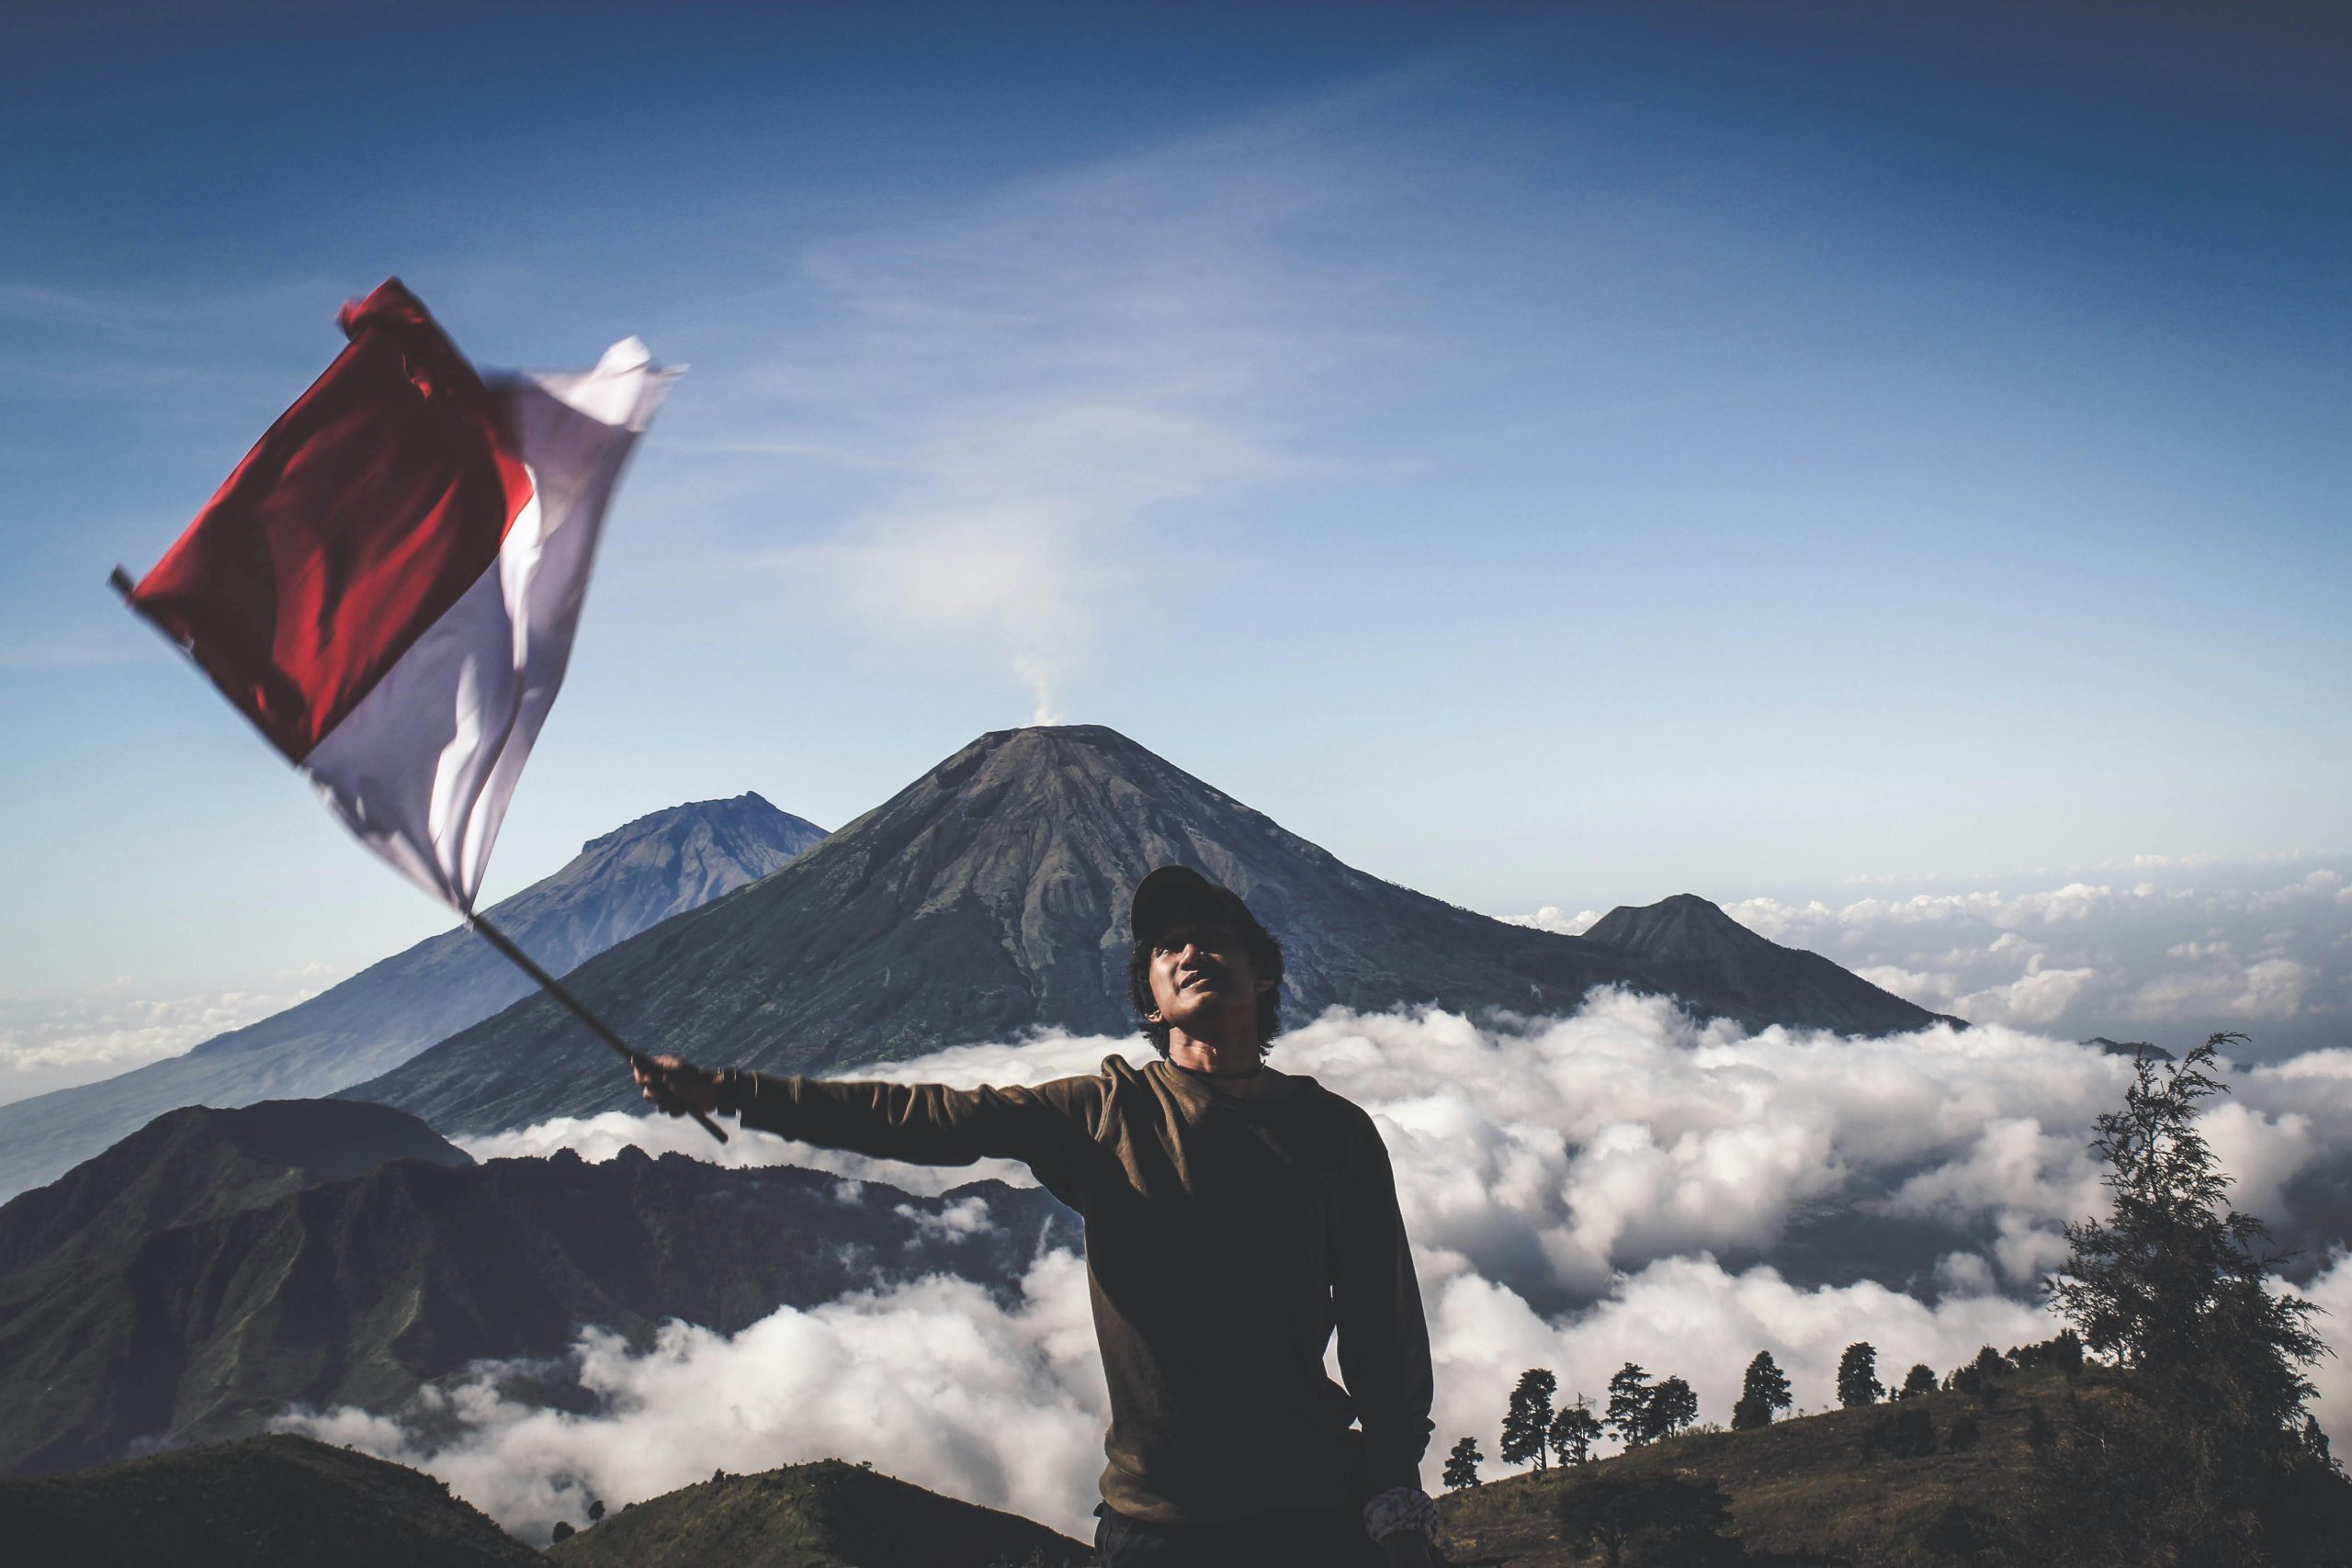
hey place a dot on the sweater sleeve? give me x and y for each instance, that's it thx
(1044, 1127)
(1383, 1339)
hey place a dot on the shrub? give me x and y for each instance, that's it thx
(1980, 1379)
(1857, 1382)
(1764, 1391)
(1905, 1432)
(1648, 1520)
(1462, 1465)
(1574, 1432)
(1673, 1407)
(2062, 1352)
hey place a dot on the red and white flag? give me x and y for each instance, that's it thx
(389, 583)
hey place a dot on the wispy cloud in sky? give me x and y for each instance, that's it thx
(1040, 392)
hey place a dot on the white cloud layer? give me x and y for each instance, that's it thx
(1581, 1191)
(1019, 387)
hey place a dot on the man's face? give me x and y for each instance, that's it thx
(1202, 980)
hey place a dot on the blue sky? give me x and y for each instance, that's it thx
(1548, 455)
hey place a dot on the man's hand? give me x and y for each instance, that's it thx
(677, 1088)
(1408, 1549)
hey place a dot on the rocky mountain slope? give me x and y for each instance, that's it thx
(359, 1289)
(827, 1514)
(989, 897)
(274, 1502)
(624, 883)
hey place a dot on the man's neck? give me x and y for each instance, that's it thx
(1236, 1070)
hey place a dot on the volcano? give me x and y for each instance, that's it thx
(989, 899)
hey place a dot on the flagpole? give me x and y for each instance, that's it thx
(554, 987)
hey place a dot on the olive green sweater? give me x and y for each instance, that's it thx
(1226, 1240)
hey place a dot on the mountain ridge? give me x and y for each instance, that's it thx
(621, 883)
(361, 1291)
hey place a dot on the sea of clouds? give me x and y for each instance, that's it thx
(1620, 1184)
(57, 1042)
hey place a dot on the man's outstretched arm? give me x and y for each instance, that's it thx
(922, 1123)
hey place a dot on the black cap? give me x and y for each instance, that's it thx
(1173, 890)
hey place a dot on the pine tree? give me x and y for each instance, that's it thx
(1462, 1465)
(1527, 1424)
(1672, 1406)
(1574, 1432)
(1765, 1390)
(1629, 1405)
(2200, 1455)
(1857, 1382)
(1919, 1380)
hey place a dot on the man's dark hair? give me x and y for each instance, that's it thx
(1265, 957)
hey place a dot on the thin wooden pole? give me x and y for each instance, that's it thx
(119, 580)
(578, 1009)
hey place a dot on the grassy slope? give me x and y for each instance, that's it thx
(1799, 1485)
(826, 1515)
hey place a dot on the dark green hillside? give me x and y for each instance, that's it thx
(276, 1502)
(827, 1514)
(1810, 1484)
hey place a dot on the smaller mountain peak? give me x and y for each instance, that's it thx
(1692, 904)
(1681, 926)
(2135, 1049)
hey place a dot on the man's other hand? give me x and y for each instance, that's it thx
(1408, 1549)
(675, 1086)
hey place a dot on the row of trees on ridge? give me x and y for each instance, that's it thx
(1640, 1412)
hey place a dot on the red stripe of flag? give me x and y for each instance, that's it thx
(353, 525)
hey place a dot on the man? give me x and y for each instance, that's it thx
(1236, 1217)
